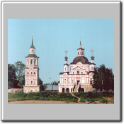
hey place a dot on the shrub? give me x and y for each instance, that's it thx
(82, 100)
(104, 101)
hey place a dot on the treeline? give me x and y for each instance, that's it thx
(16, 75)
(103, 79)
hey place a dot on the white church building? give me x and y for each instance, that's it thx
(31, 72)
(78, 75)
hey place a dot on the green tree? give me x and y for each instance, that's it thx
(55, 82)
(41, 84)
(20, 72)
(103, 79)
(11, 76)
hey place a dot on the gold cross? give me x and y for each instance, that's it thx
(66, 53)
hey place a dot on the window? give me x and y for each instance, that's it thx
(65, 81)
(31, 61)
(34, 72)
(90, 81)
(31, 82)
(77, 72)
(34, 62)
(31, 72)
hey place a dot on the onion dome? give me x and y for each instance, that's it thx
(81, 59)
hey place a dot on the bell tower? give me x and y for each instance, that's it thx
(31, 72)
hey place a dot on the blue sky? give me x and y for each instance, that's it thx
(52, 37)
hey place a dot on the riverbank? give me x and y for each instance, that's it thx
(61, 98)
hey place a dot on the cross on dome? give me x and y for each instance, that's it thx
(92, 52)
(66, 53)
(66, 57)
(80, 44)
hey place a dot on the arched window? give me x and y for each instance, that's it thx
(31, 72)
(31, 61)
(67, 90)
(77, 72)
(35, 62)
(64, 80)
(63, 90)
(34, 72)
(31, 82)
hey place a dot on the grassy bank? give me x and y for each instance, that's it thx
(96, 97)
(55, 96)
(42, 96)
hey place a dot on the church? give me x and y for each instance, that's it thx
(31, 72)
(77, 76)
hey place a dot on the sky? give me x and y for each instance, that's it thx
(52, 37)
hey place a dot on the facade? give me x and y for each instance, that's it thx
(78, 75)
(31, 72)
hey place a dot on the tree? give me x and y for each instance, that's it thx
(11, 76)
(44, 87)
(55, 82)
(103, 79)
(20, 72)
(41, 84)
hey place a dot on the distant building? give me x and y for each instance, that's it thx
(78, 75)
(31, 72)
(51, 87)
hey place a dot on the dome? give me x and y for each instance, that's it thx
(81, 59)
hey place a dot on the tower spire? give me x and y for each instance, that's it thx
(32, 45)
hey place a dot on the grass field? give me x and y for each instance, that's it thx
(55, 97)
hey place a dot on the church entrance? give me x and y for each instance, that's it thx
(78, 81)
(63, 90)
(67, 90)
(80, 90)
